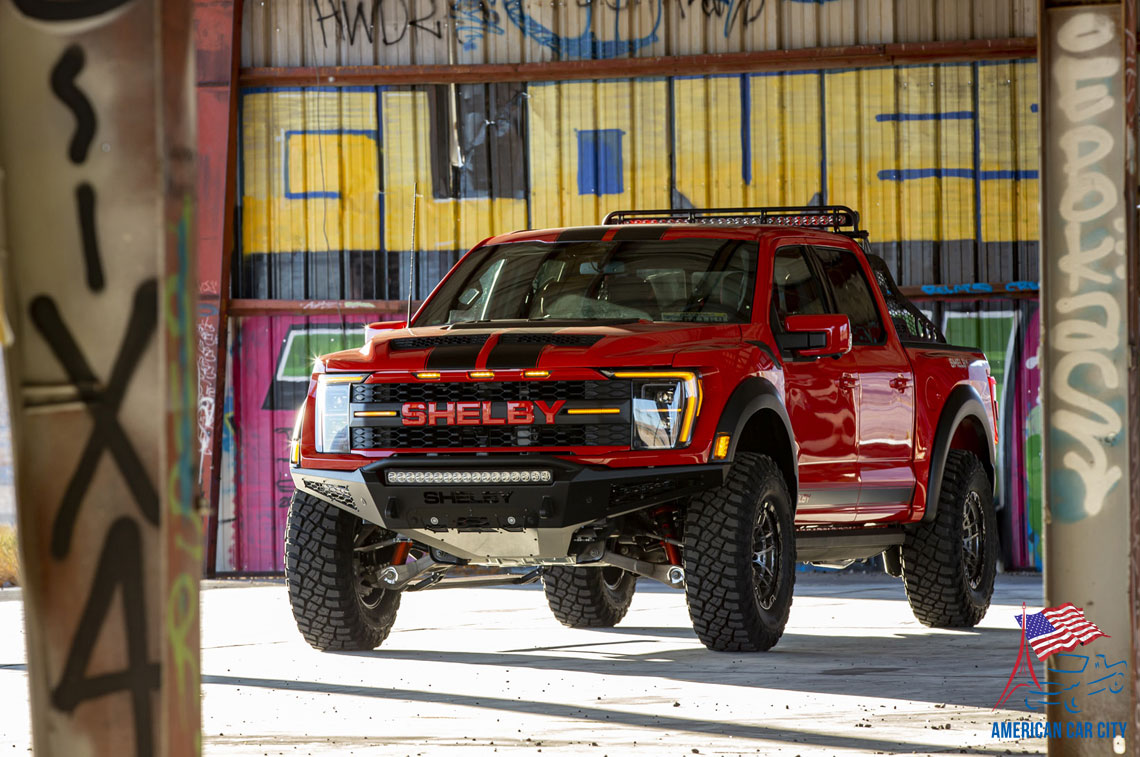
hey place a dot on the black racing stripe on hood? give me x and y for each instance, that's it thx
(513, 354)
(640, 231)
(451, 357)
(583, 234)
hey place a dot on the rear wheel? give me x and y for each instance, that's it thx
(588, 597)
(332, 560)
(740, 558)
(949, 564)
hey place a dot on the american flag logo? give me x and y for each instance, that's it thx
(1058, 629)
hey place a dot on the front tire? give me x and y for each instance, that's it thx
(740, 558)
(335, 602)
(588, 597)
(949, 564)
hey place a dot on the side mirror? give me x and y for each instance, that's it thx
(372, 329)
(817, 335)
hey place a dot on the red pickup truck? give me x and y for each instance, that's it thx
(700, 397)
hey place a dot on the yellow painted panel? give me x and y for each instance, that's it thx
(310, 171)
(997, 151)
(441, 224)
(564, 117)
(709, 142)
(785, 145)
(955, 106)
(878, 147)
(918, 151)
(1027, 202)
(800, 119)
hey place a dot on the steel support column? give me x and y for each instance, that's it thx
(216, 25)
(1089, 356)
(97, 152)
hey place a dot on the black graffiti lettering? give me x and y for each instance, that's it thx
(103, 405)
(435, 29)
(335, 15)
(66, 10)
(360, 18)
(63, 85)
(379, 15)
(120, 565)
(85, 203)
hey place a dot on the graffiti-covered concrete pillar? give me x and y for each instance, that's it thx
(97, 155)
(1089, 351)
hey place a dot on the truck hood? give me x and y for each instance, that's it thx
(543, 347)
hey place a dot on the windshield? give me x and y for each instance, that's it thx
(686, 280)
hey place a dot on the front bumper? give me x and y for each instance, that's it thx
(498, 523)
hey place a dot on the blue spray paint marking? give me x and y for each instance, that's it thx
(745, 130)
(600, 162)
(586, 44)
(909, 174)
(954, 115)
(980, 287)
(474, 20)
(289, 193)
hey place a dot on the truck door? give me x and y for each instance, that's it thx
(820, 398)
(885, 397)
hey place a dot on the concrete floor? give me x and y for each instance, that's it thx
(486, 671)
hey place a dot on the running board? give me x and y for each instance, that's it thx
(835, 544)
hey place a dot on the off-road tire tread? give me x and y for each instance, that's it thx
(579, 598)
(322, 587)
(718, 535)
(935, 580)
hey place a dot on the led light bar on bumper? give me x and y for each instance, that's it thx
(665, 406)
(469, 477)
(333, 412)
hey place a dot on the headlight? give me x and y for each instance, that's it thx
(334, 397)
(665, 407)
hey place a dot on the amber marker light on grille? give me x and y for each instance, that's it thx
(427, 375)
(480, 374)
(336, 378)
(720, 446)
(692, 400)
(375, 414)
(593, 411)
(536, 374)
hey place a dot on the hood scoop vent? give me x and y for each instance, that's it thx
(428, 342)
(556, 340)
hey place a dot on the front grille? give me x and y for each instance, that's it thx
(436, 437)
(494, 391)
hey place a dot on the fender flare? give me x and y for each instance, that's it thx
(751, 396)
(963, 402)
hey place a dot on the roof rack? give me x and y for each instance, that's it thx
(835, 217)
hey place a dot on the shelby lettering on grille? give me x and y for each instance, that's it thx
(518, 413)
(491, 414)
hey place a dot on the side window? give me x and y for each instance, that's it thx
(795, 289)
(852, 294)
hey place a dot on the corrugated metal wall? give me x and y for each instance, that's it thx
(940, 159)
(402, 32)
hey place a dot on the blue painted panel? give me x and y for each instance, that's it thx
(600, 162)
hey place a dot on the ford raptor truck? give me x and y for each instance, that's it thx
(699, 397)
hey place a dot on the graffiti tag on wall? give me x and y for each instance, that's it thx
(1086, 329)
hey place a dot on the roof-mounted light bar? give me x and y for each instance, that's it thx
(835, 217)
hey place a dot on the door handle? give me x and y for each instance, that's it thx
(848, 381)
(900, 383)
